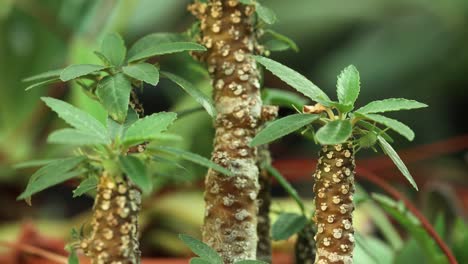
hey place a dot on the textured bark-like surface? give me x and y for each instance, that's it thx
(114, 234)
(227, 31)
(334, 189)
(305, 245)
(264, 202)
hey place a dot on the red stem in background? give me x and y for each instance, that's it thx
(36, 251)
(371, 177)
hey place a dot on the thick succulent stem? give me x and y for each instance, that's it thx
(304, 248)
(264, 202)
(334, 189)
(230, 224)
(114, 234)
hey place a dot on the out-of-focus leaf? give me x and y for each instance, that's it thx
(393, 124)
(113, 48)
(283, 39)
(282, 127)
(135, 169)
(152, 40)
(286, 185)
(72, 136)
(201, 249)
(85, 186)
(40, 84)
(282, 98)
(53, 74)
(166, 48)
(287, 225)
(79, 70)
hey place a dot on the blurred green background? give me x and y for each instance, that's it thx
(403, 48)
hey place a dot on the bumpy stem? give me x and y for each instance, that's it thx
(114, 234)
(305, 245)
(334, 189)
(264, 202)
(230, 224)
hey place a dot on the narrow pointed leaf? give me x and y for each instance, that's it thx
(76, 117)
(152, 40)
(43, 83)
(193, 91)
(113, 48)
(286, 185)
(295, 80)
(50, 179)
(388, 105)
(79, 70)
(195, 158)
(282, 127)
(371, 127)
(73, 257)
(201, 249)
(33, 163)
(266, 14)
(149, 127)
(287, 225)
(134, 168)
(284, 39)
(75, 137)
(166, 48)
(335, 132)
(348, 86)
(103, 58)
(283, 98)
(168, 161)
(199, 261)
(387, 148)
(393, 124)
(144, 72)
(114, 94)
(85, 186)
(53, 74)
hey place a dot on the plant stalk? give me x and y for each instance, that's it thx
(227, 31)
(114, 234)
(304, 248)
(334, 189)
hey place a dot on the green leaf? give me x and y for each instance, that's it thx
(117, 130)
(265, 14)
(144, 72)
(85, 186)
(114, 94)
(166, 48)
(283, 39)
(103, 58)
(79, 70)
(371, 127)
(388, 105)
(335, 132)
(251, 262)
(40, 84)
(168, 161)
(149, 127)
(53, 74)
(393, 124)
(71, 136)
(197, 159)
(199, 261)
(286, 185)
(282, 98)
(287, 225)
(348, 86)
(189, 88)
(201, 249)
(33, 163)
(76, 117)
(152, 40)
(53, 173)
(282, 127)
(387, 148)
(413, 226)
(134, 168)
(295, 80)
(113, 48)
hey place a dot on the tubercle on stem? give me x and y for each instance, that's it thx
(334, 189)
(228, 32)
(113, 238)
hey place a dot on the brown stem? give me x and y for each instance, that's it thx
(334, 189)
(227, 31)
(412, 208)
(114, 235)
(264, 202)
